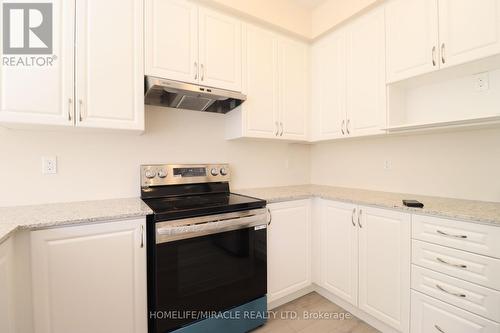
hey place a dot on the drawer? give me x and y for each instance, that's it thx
(474, 268)
(465, 295)
(472, 237)
(428, 315)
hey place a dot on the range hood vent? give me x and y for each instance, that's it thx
(179, 95)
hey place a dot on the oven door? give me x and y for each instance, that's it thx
(206, 265)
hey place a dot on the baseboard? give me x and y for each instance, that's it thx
(382, 327)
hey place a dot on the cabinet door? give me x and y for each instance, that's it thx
(328, 87)
(220, 50)
(412, 38)
(260, 83)
(293, 88)
(288, 248)
(366, 87)
(468, 30)
(37, 88)
(90, 278)
(6, 288)
(384, 266)
(110, 74)
(171, 33)
(339, 250)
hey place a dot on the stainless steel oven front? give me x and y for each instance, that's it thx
(203, 265)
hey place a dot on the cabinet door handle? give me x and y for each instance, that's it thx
(142, 236)
(439, 329)
(451, 264)
(342, 127)
(70, 103)
(359, 218)
(270, 216)
(434, 56)
(202, 72)
(276, 124)
(352, 217)
(80, 111)
(450, 235)
(196, 70)
(449, 292)
(282, 130)
(347, 126)
(443, 59)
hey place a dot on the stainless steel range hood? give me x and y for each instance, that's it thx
(179, 95)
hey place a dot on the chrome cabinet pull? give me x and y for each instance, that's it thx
(442, 53)
(450, 264)
(434, 56)
(342, 127)
(270, 216)
(449, 292)
(347, 126)
(282, 130)
(70, 103)
(439, 329)
(352, 217)
(196, 70)
(450, 235)
(202, 72)
(359, 218)
(142, 236)
(277, 128)
(80, 105)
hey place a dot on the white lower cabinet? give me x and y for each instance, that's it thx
(288, 248)
(365, 260)
(6, 288)
(90, 278)
(430, 315)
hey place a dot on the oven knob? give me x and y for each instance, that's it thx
(214, 172)
(162, 173)
(150, 174)
(223, 171)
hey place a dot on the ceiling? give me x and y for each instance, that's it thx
(308, 4)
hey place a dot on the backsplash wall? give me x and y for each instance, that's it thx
(97, 165)
(462, 164)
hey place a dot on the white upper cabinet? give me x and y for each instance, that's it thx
(39, 94)
(384, 265)
(171, 30)
(109, 82)
(366, 89)
(260, 83)
(293, 59)
(328, 87)
(412, 38)
(189, 43)
(220, 50)
(90, 278)
(468, 30)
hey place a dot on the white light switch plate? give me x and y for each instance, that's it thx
(49, 165)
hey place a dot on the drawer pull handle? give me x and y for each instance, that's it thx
(449, 235)
(439, 329)
(450, 264)
(449, 292)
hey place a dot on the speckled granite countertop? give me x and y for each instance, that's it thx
(44, 216)
(469, 210)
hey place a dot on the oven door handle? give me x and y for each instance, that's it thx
(186, 230)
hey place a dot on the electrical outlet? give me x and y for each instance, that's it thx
(387, 165)
(49, 165)
(482, 81)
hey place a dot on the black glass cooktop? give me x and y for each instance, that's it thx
(169, 208)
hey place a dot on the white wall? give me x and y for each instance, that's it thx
(106, 165)
(462, 164)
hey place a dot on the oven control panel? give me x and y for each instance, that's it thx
(176, 174)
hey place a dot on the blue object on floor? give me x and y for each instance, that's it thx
(240, 319)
